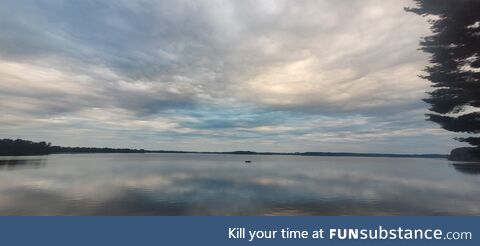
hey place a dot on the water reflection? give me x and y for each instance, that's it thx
(467, 168)
(15, 164)
(172, 184)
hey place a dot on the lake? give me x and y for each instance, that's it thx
(208, 184)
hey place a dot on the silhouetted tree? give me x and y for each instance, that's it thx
(455, 65)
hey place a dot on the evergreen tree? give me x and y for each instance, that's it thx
(454, 68)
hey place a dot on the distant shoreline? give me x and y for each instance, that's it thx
(19, 147)
(330, 154)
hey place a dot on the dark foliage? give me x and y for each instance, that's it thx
(454, 64)
(59, 149)
(23, 147)
(470, 140)
(465, 154)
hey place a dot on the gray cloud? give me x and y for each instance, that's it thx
(221, 71)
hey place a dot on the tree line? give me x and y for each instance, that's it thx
(27, 147)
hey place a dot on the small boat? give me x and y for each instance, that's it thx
(248, 161)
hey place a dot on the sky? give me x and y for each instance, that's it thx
(217, 75)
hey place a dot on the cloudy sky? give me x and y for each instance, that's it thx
(216, 75)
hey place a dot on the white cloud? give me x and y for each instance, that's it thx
(237, 72)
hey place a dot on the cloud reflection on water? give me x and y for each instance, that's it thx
(170, 184)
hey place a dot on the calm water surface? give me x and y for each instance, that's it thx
(193, 184)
